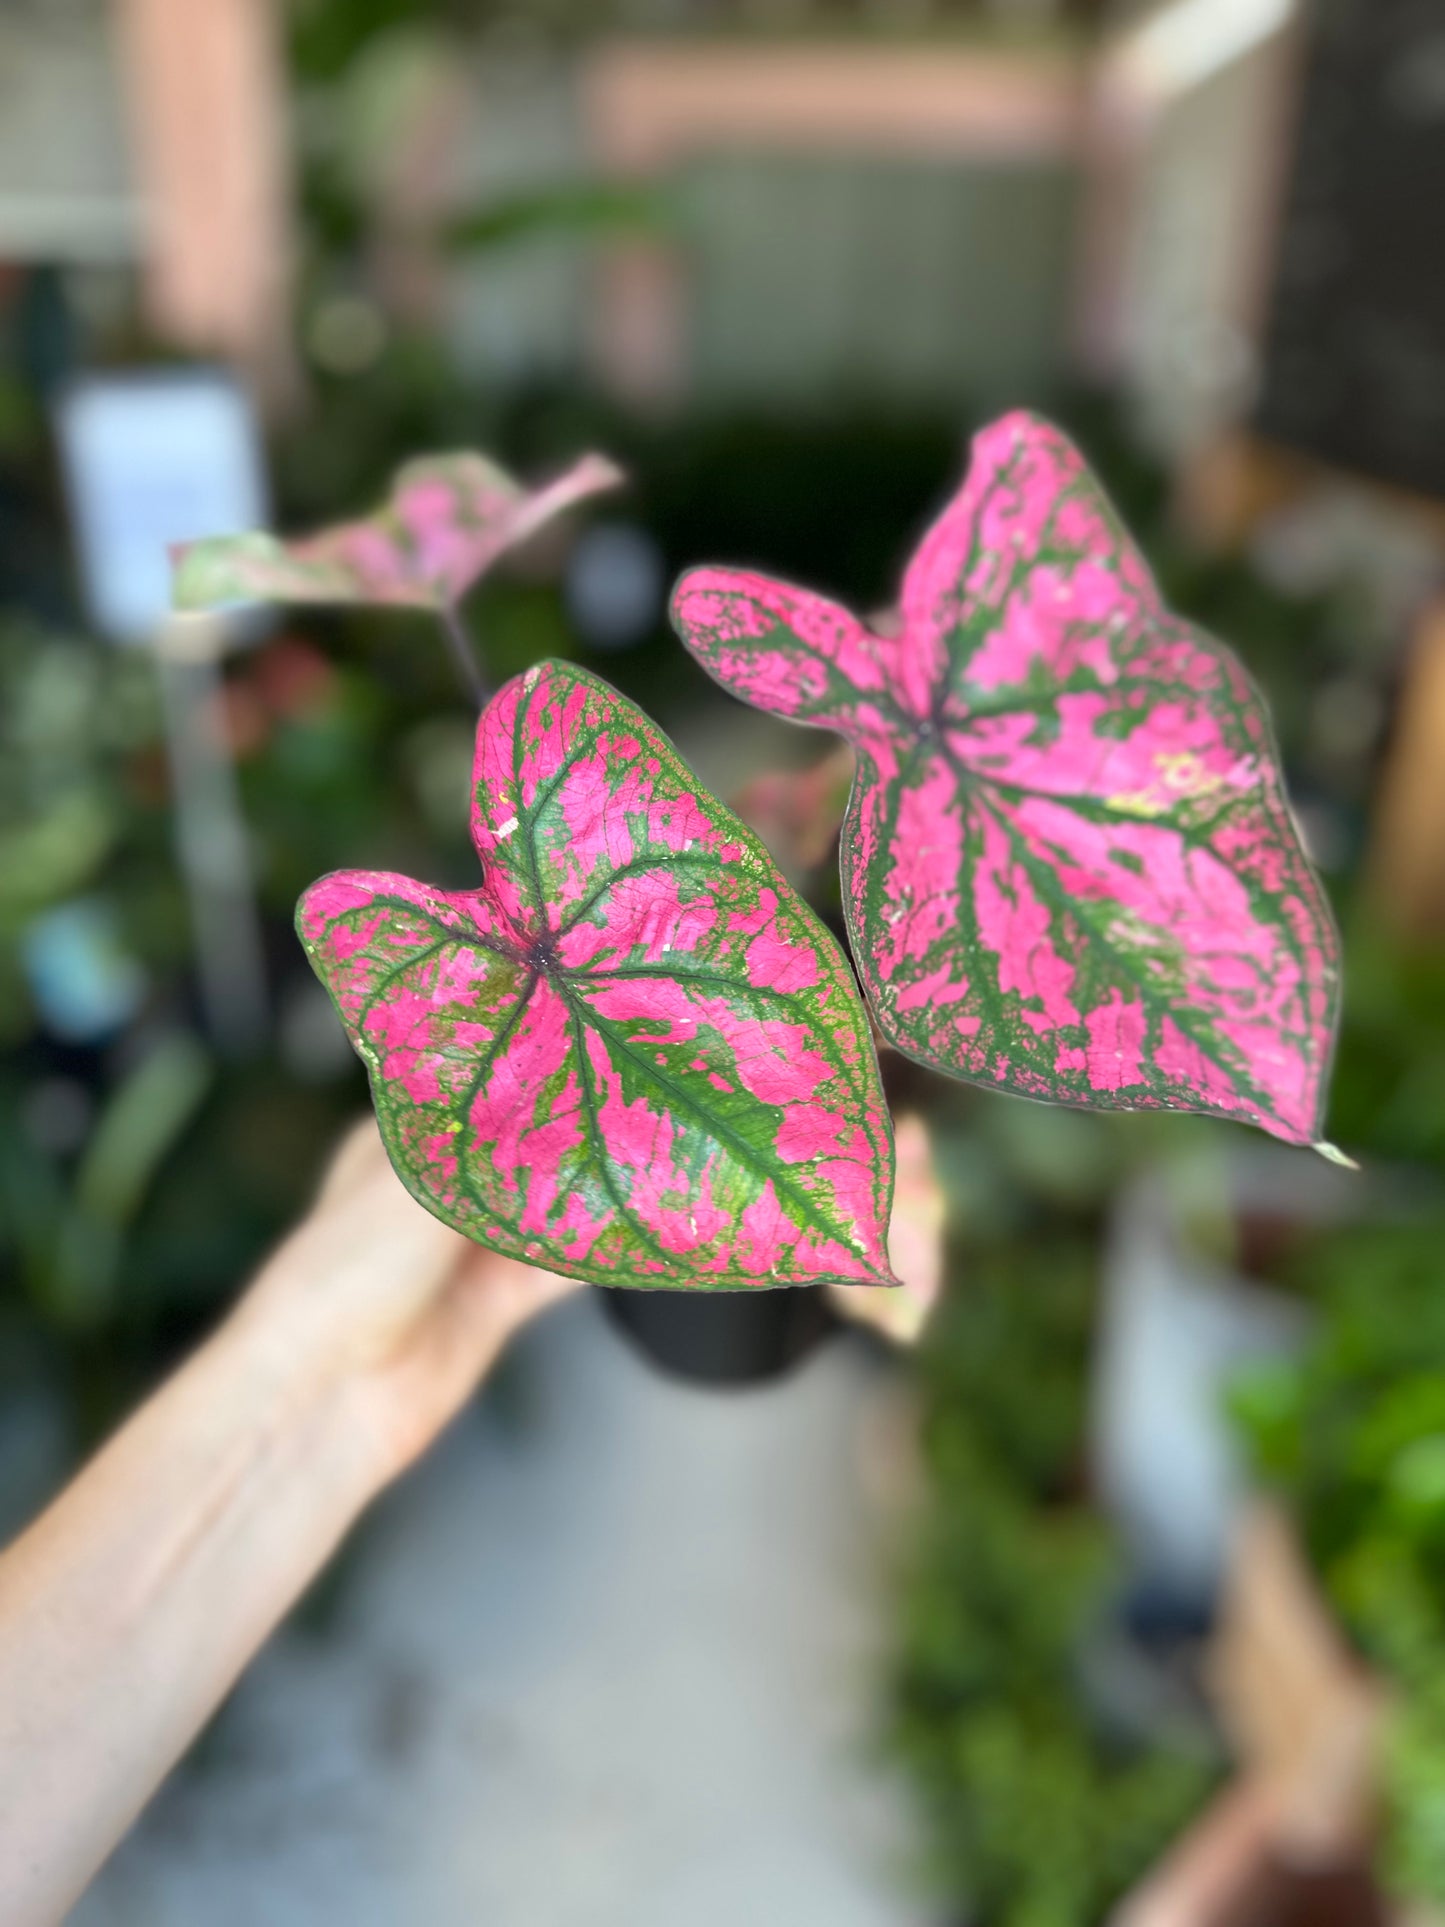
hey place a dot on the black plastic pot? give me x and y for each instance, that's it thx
(724, 1338)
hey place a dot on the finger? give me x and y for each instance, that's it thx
(355, 1162)
(915, 1245)
(364, 1200)
(514, 1291)
(454, 1346)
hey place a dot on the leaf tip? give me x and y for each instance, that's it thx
(596, 472)
(212, 572)
(1334, 1155)
(1018, 427)
(882, 1278)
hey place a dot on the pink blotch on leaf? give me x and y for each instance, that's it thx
(1117, 1032)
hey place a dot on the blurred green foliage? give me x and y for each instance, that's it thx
(68, 716)
(1353, 1433)
(1038, 1815)
(327, 34)
(1389, 1087)
(68, 1228)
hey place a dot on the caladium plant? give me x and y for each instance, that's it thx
(1068, 867)
(632, 1054)
(445, 522)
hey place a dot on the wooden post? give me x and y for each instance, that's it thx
(1407, 863)
(206, 106)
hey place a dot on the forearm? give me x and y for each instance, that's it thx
(129, 1608)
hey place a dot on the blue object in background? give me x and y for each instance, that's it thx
(84, 981)
(616, 585)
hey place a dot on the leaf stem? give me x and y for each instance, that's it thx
(459, 643)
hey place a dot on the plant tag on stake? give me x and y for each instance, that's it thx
(632, 1055)
(151, 459)
(1068, 867)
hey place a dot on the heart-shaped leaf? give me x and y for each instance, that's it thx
(633, 1055)
(1068, 867)
(447, 520)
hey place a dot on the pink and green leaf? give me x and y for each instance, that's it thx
(633, 1054)
(445, 523)
(1069, 870)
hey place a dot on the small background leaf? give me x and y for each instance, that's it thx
(447, 520)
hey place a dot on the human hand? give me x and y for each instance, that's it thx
(384, 1306)
(128, 1608)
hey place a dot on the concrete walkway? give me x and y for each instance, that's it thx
(604, 1660)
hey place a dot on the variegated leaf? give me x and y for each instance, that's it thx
(633, 1054)
(447, 520)
(1068, 866)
